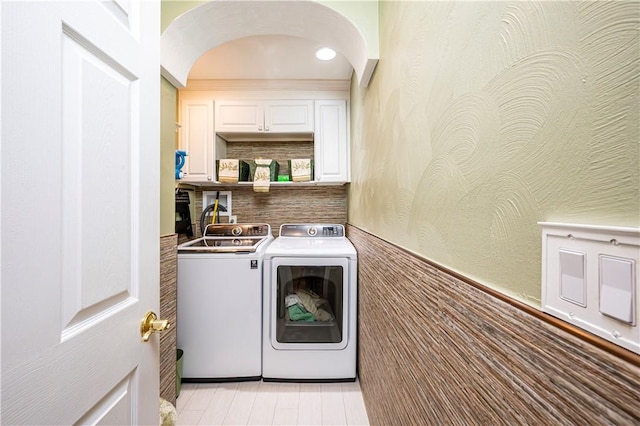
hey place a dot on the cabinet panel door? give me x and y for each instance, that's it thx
(289, 116)
(197, 139)
(331, 144)
(239, 116)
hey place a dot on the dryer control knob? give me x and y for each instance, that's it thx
(236, 231)
(312, 231)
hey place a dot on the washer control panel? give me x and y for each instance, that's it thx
(319, 230)
(237, 230)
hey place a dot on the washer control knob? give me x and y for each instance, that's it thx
(312, 231)
(236, 230)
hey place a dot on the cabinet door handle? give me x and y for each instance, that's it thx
(266, 129)
(260, 128)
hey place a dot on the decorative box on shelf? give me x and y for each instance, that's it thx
(300, 170)
(273, 166)
(235, 168)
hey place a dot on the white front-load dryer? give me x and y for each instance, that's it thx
(310, 305)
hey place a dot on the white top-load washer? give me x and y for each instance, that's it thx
(310, 305)
(219, 305)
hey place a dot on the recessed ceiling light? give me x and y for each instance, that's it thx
(325, 54)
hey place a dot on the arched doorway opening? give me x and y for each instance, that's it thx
(217, 22)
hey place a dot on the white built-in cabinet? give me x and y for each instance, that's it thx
(197, 137)
(330, 148)
(208, 124)
(286, 116)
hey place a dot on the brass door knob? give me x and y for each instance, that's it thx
(151, 324)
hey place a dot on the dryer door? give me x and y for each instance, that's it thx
(309, 303)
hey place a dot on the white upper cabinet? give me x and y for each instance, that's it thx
(210, 125)
(331, 148)
(240, 116)
(286, 116)
(197, 138)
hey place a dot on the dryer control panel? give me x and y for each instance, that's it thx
(318, 230)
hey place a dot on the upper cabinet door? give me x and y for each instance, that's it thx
(264, 116)
(288, 116)
(239, 116)
(196, 137)
(331, 146)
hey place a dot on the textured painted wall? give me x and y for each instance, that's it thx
(171, 9)
(484, 118)
(168, 99)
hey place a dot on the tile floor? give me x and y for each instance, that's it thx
(267, 403)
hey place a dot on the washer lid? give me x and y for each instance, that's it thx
(311, 247)
(222, 245)
(229, 238)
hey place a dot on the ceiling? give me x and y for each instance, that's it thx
(269, 57)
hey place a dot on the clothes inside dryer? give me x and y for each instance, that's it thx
(310, 304)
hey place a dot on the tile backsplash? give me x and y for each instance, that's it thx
(282, 204)
(302, 204)
(279, 151)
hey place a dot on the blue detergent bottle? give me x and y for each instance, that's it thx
(180, 158)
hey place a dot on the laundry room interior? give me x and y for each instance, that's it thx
(468, 211)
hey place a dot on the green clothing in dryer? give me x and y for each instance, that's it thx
(298, 313)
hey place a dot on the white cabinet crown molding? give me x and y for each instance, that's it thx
(268, 85)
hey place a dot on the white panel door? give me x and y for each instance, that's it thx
(288, 116)
(239, 116)
(196, 138)
(331, 144)
(80, 215)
